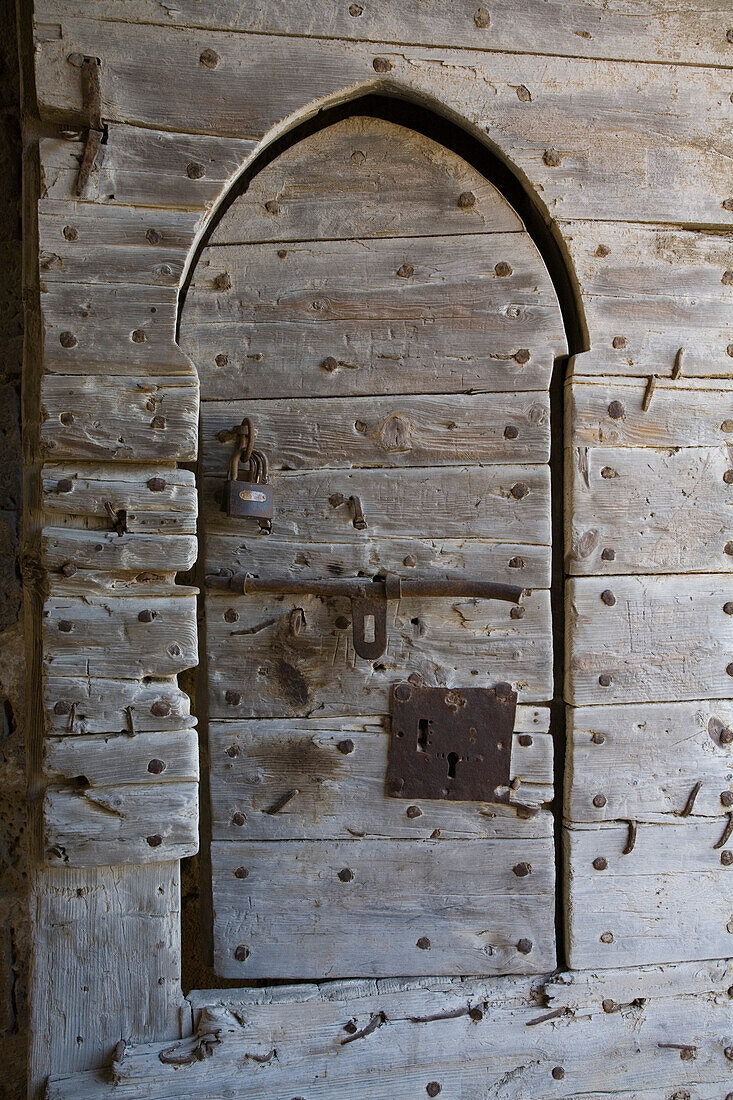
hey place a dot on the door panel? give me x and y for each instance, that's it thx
(377, 309)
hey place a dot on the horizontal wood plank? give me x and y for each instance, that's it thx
(636, 762)
(128, 419)
(338, 768)
(82, 705)
(417, 430)
(104, 555)
(666, 901)
(663, 638)
(662, 511)
(112, 759)
(460, 896)
(259, 668)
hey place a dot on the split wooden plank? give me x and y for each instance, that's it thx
(126, 823)
(668, 900)
(648, 290)
(650, 511)
(662, 638)
(117, 636)
(338, 768)
(113, 935)
(493, 502)
(365, 177)
(83, 705)
(457, 901)
(112, 759)
(636, 762)
(149, 168)
(648, 142)
(684, 413)
(694, 34)
(260, 667)
(419, 430)
(430, 314)
(250, 552)
(123, 328)
(580, 990)
(133, 419)
(105, 554)
(82, 242)
(155, 499)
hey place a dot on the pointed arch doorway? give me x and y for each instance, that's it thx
(378, 310)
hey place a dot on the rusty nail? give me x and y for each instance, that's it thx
(272, 206)
(522, 356)
(616, 410)
(521, 870)
(519, 490)
(241, 872)
(329, 364)
(341, 622)
(600, 863)
(728, 1052)
(516, 563)
(241, 953)
(728, 477)
(466, 199)
(726, 857)
(558, 1073)
(413, 812)
(608, 1005)
(346, 746)
(406, 271)
(71, 233)
(209, 58)
(725, 737)
(281, 802)
(687, 810)
(423, 943)
(726, 831)
(65, 485)
(231, 616)
(68, 569)
(146, 616)
(649, 392)
(68, 340)
(524, 946)
(345, 874)
(359, 520)
(63, 706)
(161, 708)
(525, 740)
(608, 597)
(65, 626)
(153, 236)
(619, 342)
(356, 10)
(155, 767)
(599, 801)
(195, 171)
(155, 840)
(239, 818)
(677, 368)
(67, 418)
(605, 680)
(728, 607)
(433, 1088)
(336, 500)
(726, 797)
(381, 64)
(511, 431)
(517, 612)
(156, 484)
(233, 751)
(503, 269)
(139, 336)
(606, 937)
(552, 158)
(608, 554)
(233, 698)
(630, 839)
(598, 739)
(729, 668)
(481, 18)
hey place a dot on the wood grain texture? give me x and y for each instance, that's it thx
(129, 418)
(460, 895)
(429, 314)
(416, 430)
(110, 759)
(80, 705)
(650, 31)
(655, 511)
(667, 901)
(428, 1034)
(664, 638)
(104, 555)
(269, 671)
(338, 768)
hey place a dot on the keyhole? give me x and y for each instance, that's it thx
(423, 729)
(453, 759)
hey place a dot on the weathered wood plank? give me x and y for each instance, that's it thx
(510, 563)
(86, 706)
(105, 554)
(106, 826)
(683, 413)
(664, 638)
(139, 167)
(460, 895)
(259, 668)
(668, 900)
(646, 760)
(82, 242)
(649, 142)
(580, 990)
(485, 502)
(693, 34)
(662, 511)
(428, 314)
(155, 499)
(127, 971)
(110, 759)
(112, 637)
(419, 430)
(125, 418)
(341, 786)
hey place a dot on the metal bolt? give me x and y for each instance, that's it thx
(503, 269)
(65, 485)
(598, 739)
(516, 563)
(726, 857)
(517, 612)
(329, 364)
(381, 64)
(433, 1088)
(423, 943)
(729, 349)
(161, 708)
(616, 410)
(413, 812)
(728, 1052)
(608, 1005)
(239, 818)
(230, 615)
(223, 281)
(481, 18)
(525, 740)
(519, 490)
(67, 418)
(728, 477)
(726, 798)
(524, 946)
(346, 747)
(619, 342)
(729, 670)
(511, 431)
(406, 271)
(356, 10)
(65, 626)
(558, 1073)
(606, 937)
(599, 801)
(155, 840)
(608, 597)
(725, 737)
(209, 58)
(156, 484)
(138, 336)
(522, 356)
(241, 953)
(155, 767)
(241, 872)
(605, 680)
(233, 698)
(195, 171)
(341, 622)
(272, 206)
(608, 554)
(521, 870)
(68, 340)
(466, 199)
(71, 233)
(602, 251)
(146, 616)
(221, 360)
(233, 751)
(600, 863)
(552, 158)
(346, 874)
(62, 707)
(153, 236)
(68, 569)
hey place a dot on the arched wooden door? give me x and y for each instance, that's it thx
(378, 310)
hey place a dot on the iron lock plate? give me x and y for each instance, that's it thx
(451, 743)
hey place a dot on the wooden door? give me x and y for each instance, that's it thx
(378, 310)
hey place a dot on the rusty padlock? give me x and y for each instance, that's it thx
(249, 496)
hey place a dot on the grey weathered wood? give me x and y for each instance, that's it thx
(128, 418)
(608, 121)
(454, 324)
(81, 705)
(342, 794)
(110, 759)
(510, 563)
(170, 509)
(667, 901)
(665, 638)
(144, 168)
(116, 824)
(695, 33)
(418, 430)
(461, 895)
(460, 501)
(105, 554)
(108, 639)
(646, 761)
(579, 990)
(661, 511)
(684, 413)
(270, 671)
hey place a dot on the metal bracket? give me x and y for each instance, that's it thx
(451, 743)
(91, 92)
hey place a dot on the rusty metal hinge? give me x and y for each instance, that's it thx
(91, 93)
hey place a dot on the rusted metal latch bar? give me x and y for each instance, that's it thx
(91, 92)
(369, 598)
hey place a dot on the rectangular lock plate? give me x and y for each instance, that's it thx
(451, 743)
(248, 498)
